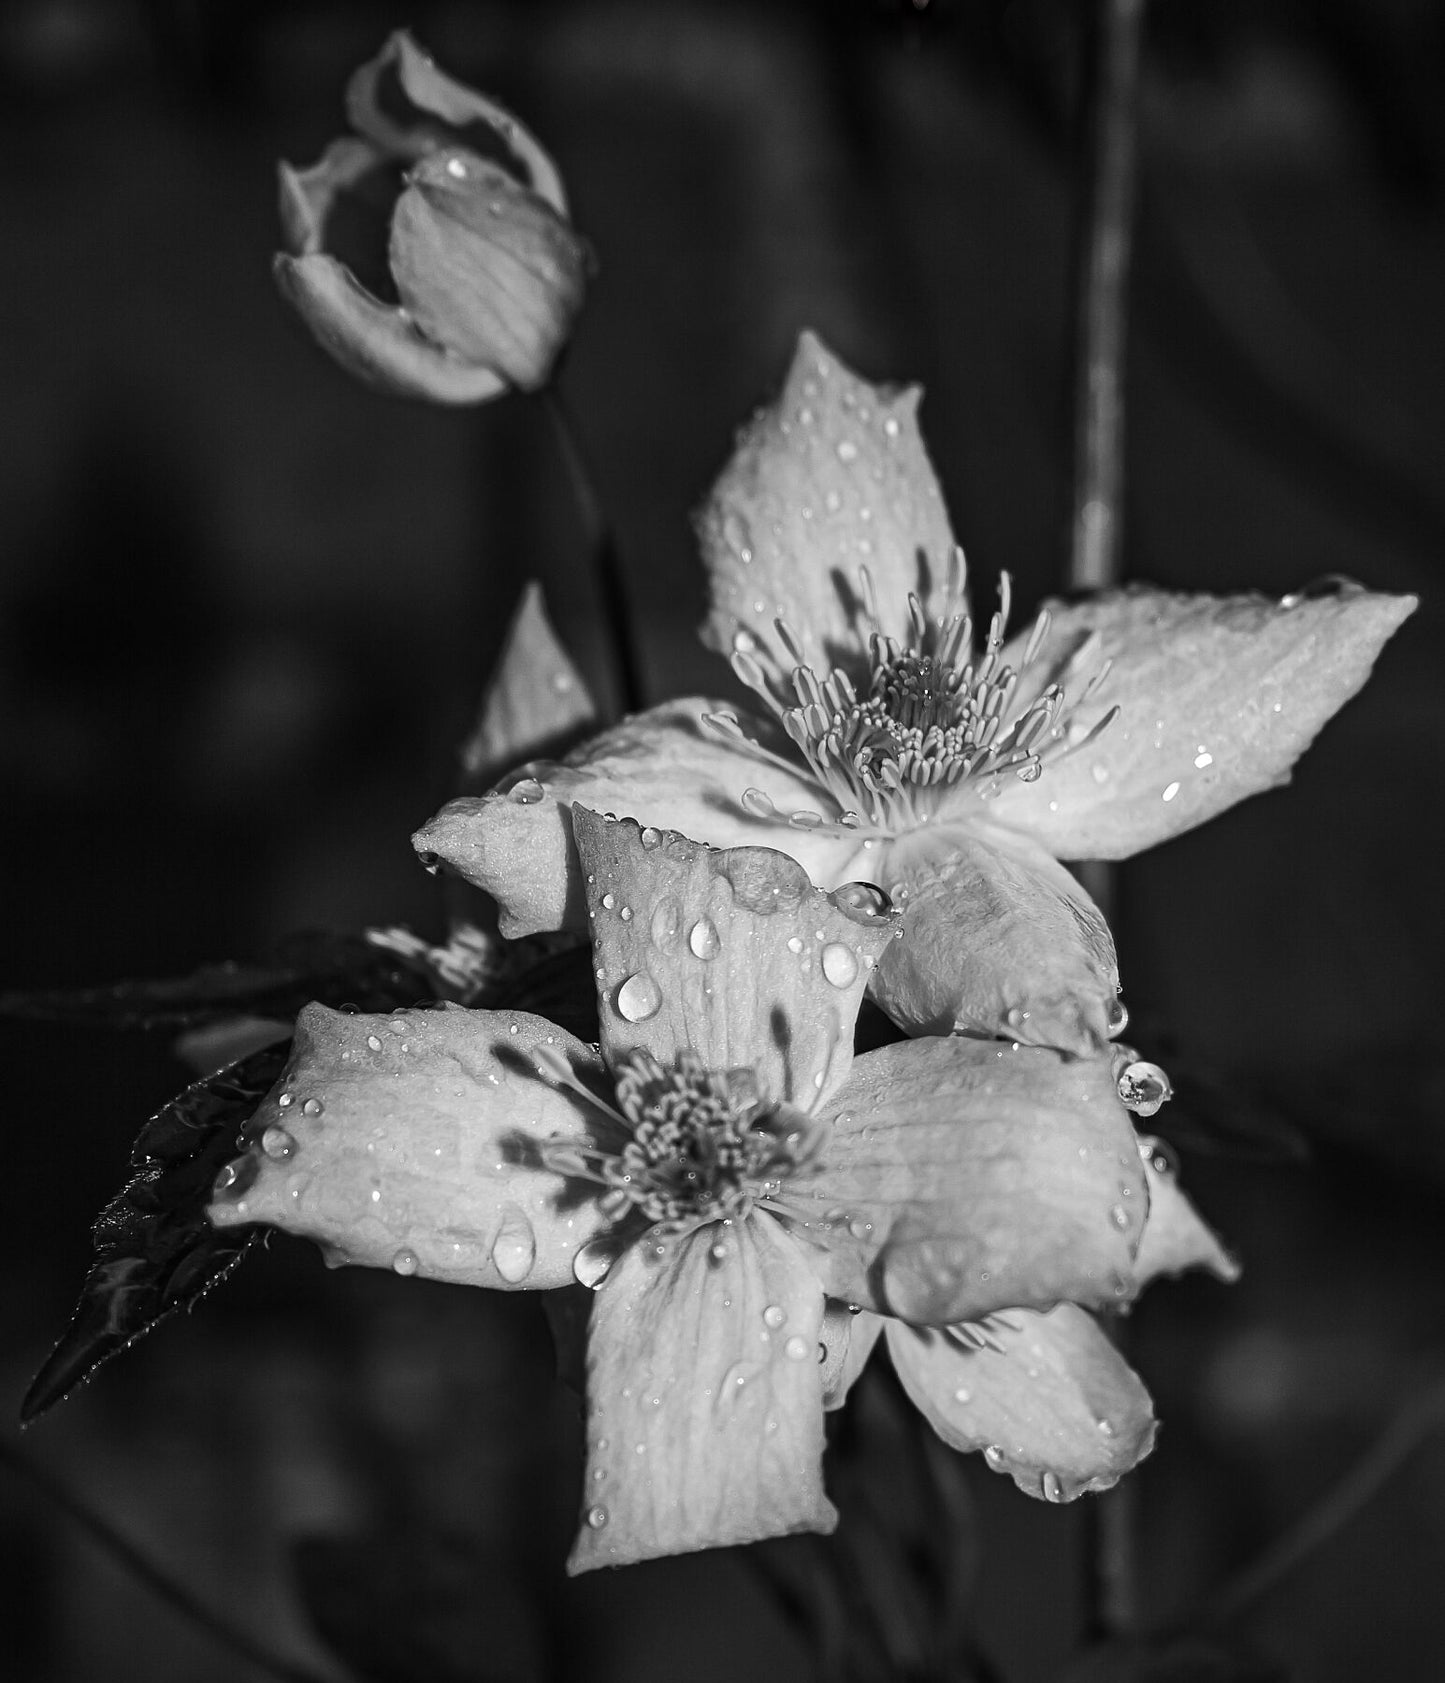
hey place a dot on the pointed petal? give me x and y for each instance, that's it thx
(998, 939)
(444, 110)
(730, 952)
(485, 267)
(1047, 1398)
(1218, 697)
(704, 1398)
(966, 1176)
(831, 477)
(375, 341)
(1175, 1238)
(408, 1141)
(849, 1335)
(660, 767)
(536, 703)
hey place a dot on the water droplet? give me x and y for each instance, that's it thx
(608, 902)
(457, 168)
(774, 1315)
(1119, 1216)
(374, 1042)
(593, 1263)
(515, 1247)
(994, 1455)
(666, 924)
(840, 964)
(286, 1100)
(405, 1262)
(1118, 1017)
(1015, 1017)
(1170, 792)
(1144, 1088)
(864, 897)
(1106, 1427)
(796, 1348)
(962, 1395)
(527, 792)
(650, 837)
(639, 998)
(759, 805)
(277, 1143)
(597, 1517)
(226, 1179)
(1050, 1488)
(312, 1107)
(626, 914)
(704, 940)
(795, 946)
(1203, 758)
(1100, 773)
(847, 450)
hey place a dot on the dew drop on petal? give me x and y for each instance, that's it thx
(405, 1262)
(1118, 1017)
(703, 939)
(962, 1395)
(1100, 773)
(666, 926)
(847, 450)
(759, 805)
(1170, 792)
(1119, 1216)
(286, 1100)
(226, 1179)
(774, 1315)
(840, 964)
(515, 1248)
(650, 837)
(597, 1517)
(374, 1042)
(593, 1263)
(795, 946)
(796, 1348)
(639, 998)
(277, 1143)
(527, 792)
(1050, 1488)
(994, 1455)
(1144, 1088)
(608, 901)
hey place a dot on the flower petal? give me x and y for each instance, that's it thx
(998, 939)
(704, 1398)
(445, 108)
(1175, 1238)
(537, 700)
(407, 1141)
(485, 267)
(833, 476)
(662, 767)
(966, 1176)
(1046, 1397)
(728, 951)
(1218, 697)
(375, 341)
(308, 196)
(849, 1334)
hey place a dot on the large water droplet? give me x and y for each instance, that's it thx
(277, 1143)
(864, 898)
(374, 1042)
(666, 926)
(1050, 1488)
(774, 1315)
(405, 1262)
(796, 1349)
(704, 940)
(597, 1517)
(840, 964)
(312, 1107)
(593, 1263)
(757, 804)
(1144, 1088)
(1118, 1018)
(514, 1249)
(639, 998)
(527, 792)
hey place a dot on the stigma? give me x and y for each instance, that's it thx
(694, 1144)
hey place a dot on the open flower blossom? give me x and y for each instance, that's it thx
(750, 1203)
(895, 745)
(487, 270)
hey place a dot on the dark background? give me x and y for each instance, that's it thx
(246, 606)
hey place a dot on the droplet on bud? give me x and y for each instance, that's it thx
(1144, 1088)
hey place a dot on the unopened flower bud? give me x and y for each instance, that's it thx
(484, 274)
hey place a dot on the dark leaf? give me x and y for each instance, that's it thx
(335, 969)
(413, 1606)
(155, 1250)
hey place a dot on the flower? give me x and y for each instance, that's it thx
(487, 271)
(893, 748)
(749, 1202)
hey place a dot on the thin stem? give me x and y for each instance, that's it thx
(1101, 322)
(1103, 292)
(155, 1578)
(1416, 1422)
(606, 557)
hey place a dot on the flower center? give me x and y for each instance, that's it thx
(933, 716)
(700, 1144)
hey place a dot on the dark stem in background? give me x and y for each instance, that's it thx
(606, 558)
(1095, 525)
(160, 1583)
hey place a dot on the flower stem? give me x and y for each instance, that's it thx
(1101, 320)
(606, 556)
(155, 1578)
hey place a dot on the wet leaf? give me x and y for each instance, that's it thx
(155, 1252)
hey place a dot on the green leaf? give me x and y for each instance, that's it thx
(155, 1251)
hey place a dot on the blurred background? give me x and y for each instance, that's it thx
(246, 608)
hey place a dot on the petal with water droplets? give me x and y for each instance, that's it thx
(426, 1142)
(1218, 697)
(831, 477)
(536, 703)
(849, 1335)
(704, 1398)
(964, 1176)
(1175, 1237)
(662, 767)
(743, 959)
(1046, 1396)
(998, 939)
